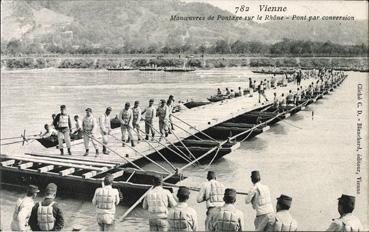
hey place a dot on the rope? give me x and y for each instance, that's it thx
(152, 161)
(195, 129)
(184, 146)
(135, 165)
(212, 160)
(197, 137)
(252, 129)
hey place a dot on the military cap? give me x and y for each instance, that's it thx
(51, 189)
(32, 189)
(347, 200)
(151, 100)
(89, 110)
(229, 192)
(157, 179)
(285, 200)
(183, 190)
(109, 108)
(62, 107)
(211, 174)
(255, 174)
(137, 102)
(127, 104)
(163, 101)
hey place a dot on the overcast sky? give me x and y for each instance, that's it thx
(358, 9)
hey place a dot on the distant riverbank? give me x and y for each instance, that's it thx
(198, 61)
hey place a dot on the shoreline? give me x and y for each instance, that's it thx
(198, 62)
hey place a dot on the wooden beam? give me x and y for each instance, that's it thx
(67, 171)
(46, 168)
(118, 174)
(7, 163)
(89, 174)
(25, 165)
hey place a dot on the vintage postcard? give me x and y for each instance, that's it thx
(184, 115)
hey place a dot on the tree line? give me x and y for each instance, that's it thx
(286, 47)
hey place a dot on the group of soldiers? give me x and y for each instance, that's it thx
(169, 212)
(129, 119)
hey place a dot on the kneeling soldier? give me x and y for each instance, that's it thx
(182, 217)
(227, 218)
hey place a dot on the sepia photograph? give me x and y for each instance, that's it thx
(184, 115)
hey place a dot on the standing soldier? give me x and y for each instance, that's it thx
(261, 91)
(105, 200)
(212, 192)
(163, 114)
(125, 118)
(227, 217)
(182, 217)
(347, 221)
(150, 113)
(88, 127)
(23, 209)
(170, 104)
(136, 111)
(259, 196)
(283, 220)
(157, 202)
(105, 128)
(47, 215)
(63, 125)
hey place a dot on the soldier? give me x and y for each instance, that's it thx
(136, 111)
(150, 113)
(125, 118)
(88, 128)
(47, 215)
(182, 217)
(227, 217)
(163, 113)
(212, 192)
(63, 125)
(23, 209)
(347, 221)
(105, 200)
(157, 202)
(259, 196)
(283, 220)
(105, 128)
(77, 133)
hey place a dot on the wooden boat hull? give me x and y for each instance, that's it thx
(193, 104)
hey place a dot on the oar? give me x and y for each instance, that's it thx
(196, 189)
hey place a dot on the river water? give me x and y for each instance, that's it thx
(310, 156)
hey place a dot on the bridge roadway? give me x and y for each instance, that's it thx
(200, 118)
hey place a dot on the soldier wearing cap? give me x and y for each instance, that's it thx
(126, 118)
(157, 202)
(227, 217)
(136, 112)
(170, 105)
(105, 200)
(88, 128)
(46, 215)
(150, 113)
(283, 220)
(259, 197)
(77, 133)
(182, 217)
(347, 221)
(23, 209)
(105, 128)
(63, 125)
(163, 113)
(212, 193)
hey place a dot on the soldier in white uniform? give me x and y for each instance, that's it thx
(347, 221)
(105, 200)
(157, 202)
(259, 196)
(136, 112)
(283, 220)
(227, 217)
(105, 128)
(63, 125)
(88, 128)
(182, 217)
(125, 118)
(212, 193)
(23, 210)
(150, 113)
